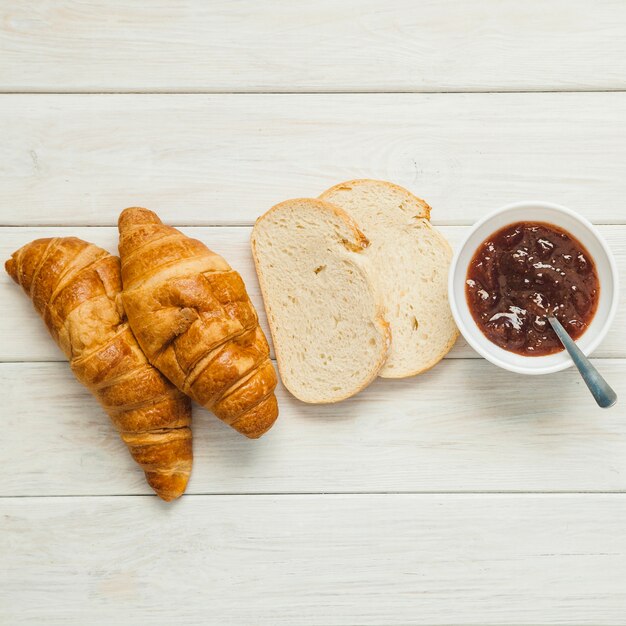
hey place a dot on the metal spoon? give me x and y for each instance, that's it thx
(601, 391)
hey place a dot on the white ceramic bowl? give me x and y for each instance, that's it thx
(573, 223)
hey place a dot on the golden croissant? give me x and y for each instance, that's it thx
(194, 321)
(75, 287)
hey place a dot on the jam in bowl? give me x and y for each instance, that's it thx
(521, 274)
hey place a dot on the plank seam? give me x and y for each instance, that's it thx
(447, 358)
(436, 223)
(333, 494)
(257, 92)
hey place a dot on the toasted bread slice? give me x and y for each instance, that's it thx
(326, 320)
(409, 263)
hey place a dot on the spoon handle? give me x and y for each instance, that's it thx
(600, 389)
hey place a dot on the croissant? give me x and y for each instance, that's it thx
(75, 287)
(194, 321)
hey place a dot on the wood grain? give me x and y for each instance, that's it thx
(353, 45)
(23, 336)
(315, 560)
(226, 159)
(456, 428)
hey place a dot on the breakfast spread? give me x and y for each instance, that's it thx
(194, 321)
(355, 285)
(75, 287)
(525, 272)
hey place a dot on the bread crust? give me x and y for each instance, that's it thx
(319, 204)
(355, 182)
(361, 242)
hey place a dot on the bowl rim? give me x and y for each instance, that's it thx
(476, 345)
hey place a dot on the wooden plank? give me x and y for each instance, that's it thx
(456, 428)
(225, 159)
(316, 560)
(354, 45)
(23, 336)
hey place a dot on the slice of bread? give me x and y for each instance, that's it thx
(329, 334)
(409, 263)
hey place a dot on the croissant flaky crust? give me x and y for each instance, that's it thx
(194, 320)
(75, 287)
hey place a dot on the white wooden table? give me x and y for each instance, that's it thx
(465, 496)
